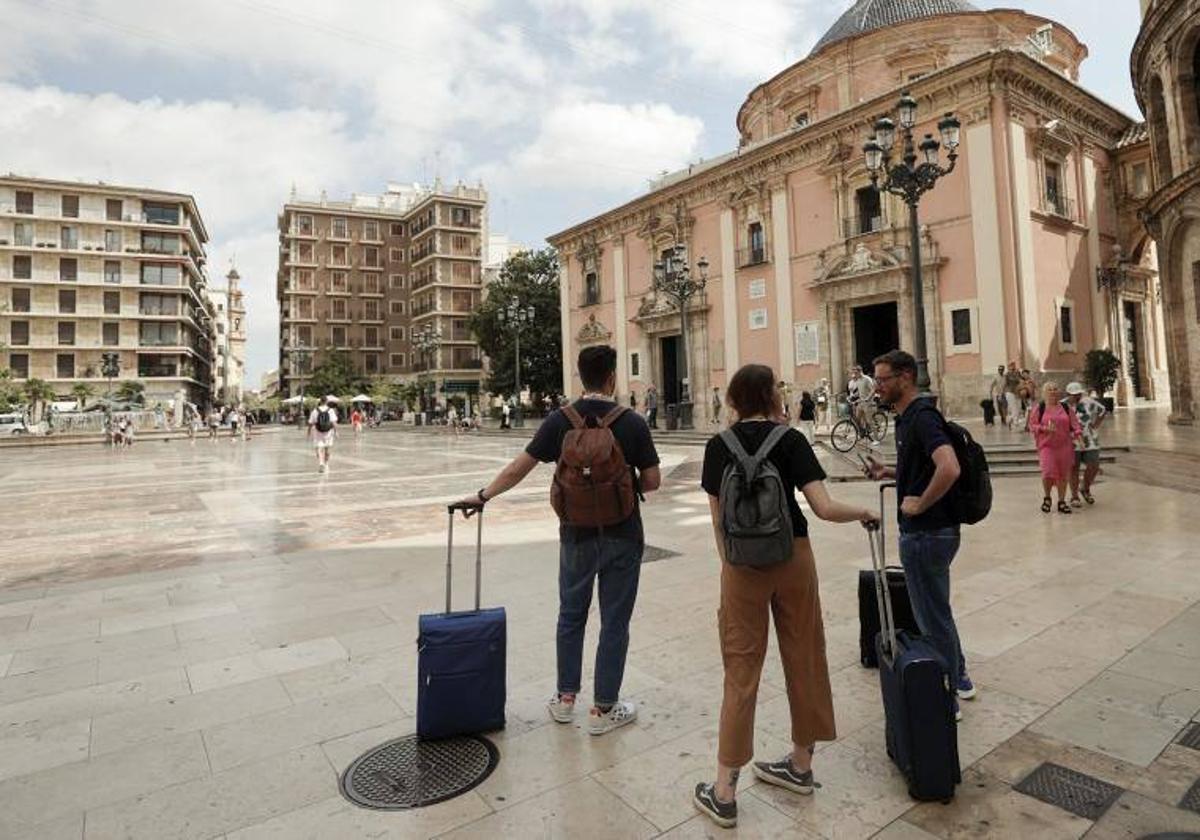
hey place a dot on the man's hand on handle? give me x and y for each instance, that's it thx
(876, 470)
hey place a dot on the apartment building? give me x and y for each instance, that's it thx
(92, 269)
(230, 321)
(390, 279)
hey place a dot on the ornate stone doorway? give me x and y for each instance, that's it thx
(668, 353)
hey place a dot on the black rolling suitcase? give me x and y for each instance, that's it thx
(868, 611)
(918, 700)
(461, 662)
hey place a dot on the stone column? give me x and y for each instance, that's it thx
(620, 324)
(783, 282)
(564, 311)
(1091, 209)
(729, 296)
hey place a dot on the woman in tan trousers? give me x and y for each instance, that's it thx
(750, 594)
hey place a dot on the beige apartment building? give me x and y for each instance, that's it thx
(390, 279)
(90, 269)
(229, 373)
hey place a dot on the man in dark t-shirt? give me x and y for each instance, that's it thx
(926, 470)
(610, 557)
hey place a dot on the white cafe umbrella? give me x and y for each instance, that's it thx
(293, 400)
(362, 398)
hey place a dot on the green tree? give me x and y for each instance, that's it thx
(131, 391)
(529, 278)
(39, 393)
(82, 392)
(12, 396)
(335, 374)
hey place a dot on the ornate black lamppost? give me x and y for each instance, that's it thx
(518, 317)
(911, 178)
(673, 278)
(110, 366)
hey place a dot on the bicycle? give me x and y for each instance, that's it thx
(847, 433)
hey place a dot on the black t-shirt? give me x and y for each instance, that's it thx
(919, 431)
(792, 456)
(808, 409)
(633, 436)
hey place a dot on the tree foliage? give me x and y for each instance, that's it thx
(131, 391)
(335, 374)
(12, 396)
(82, 392)
(39, 393)
(529, 278)
(1101, 368)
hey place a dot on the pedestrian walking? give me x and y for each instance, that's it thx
(600, 531)
(652, 406)
(1091, 413)
(808, 416)
(633, 400)
(322, 431)
(996, 393)
(822, 396)
(214, 422)
(716, 406)
(505, 415)
(356, 421)
(1012, 399)
(925, 471)
(767, 570)
(234, 419)
(1055, 428)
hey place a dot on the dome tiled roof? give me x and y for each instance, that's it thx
(867, 15)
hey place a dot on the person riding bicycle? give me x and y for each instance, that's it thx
(860, 389)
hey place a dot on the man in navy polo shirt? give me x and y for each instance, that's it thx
(926, 468)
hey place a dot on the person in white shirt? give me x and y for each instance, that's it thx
(861, 388)
(1091, 413)
(322, 429)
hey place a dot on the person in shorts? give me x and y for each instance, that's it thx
(1091, 413)
(322, 430)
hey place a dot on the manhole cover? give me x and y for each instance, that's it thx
(653, 553)
(1082, 795)
(410, 773)
(1190, 737)
(1191, 799)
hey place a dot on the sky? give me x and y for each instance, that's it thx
(562, 108)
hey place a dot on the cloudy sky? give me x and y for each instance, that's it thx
(562, 107)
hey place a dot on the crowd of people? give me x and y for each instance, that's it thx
(772, 575)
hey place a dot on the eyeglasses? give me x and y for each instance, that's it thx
(887, 378)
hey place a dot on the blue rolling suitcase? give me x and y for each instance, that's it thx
(461, 661)
(918, 701)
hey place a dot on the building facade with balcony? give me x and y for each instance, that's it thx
(1166, 67)
(90, 269)
(370, 275)
(810, 265)
(230, 321)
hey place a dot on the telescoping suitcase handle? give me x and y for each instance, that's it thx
(478, 551)
(883, 595)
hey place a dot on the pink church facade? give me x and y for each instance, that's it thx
(809, 267)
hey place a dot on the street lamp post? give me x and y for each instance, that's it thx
(673, 278)
(427, 340)
(516, 316)
(110, 366)
(909, 179)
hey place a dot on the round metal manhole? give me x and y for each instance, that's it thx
(411, 773)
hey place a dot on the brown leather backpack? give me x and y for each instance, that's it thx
(593, 485)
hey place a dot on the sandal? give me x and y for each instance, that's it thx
(1046, 505)
(1063, 507)
(1075, 502)
(1089, 498)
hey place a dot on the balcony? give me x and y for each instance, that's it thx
(752, 256)
(861, 226)
(1059, 207)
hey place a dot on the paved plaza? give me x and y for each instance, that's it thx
(196, 639)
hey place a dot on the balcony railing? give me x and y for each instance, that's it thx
(861, 225)
(752, 256)
(1059, 206)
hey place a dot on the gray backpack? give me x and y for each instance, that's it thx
(755, 519)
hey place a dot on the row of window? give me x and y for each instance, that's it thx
(339, 227)
(65, 366)
(339, 309)
(150, 333)
(152, 274)
(114, 209)
(148, 303)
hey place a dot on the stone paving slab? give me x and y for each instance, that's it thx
(227, 638)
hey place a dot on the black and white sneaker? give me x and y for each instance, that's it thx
(784, 775)
(723, 814)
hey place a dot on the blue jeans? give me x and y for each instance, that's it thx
(617, 563)
(926, 557)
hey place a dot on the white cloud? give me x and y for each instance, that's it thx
(602, 146)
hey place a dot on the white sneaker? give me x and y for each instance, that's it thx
(621, 713)
(560, 710)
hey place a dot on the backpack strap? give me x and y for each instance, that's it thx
(573, 416)
(750, 462)
(610, 418)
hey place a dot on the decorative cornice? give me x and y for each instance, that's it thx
(1028, 85)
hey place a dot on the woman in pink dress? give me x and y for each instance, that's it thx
(1054, 427)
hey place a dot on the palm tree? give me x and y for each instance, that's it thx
(39, 393)
(82, 392)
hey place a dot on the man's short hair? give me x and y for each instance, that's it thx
(899, 361)
(596, 364)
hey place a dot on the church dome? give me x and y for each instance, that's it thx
(869, 15)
